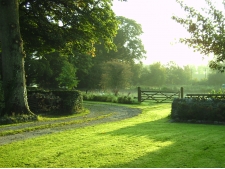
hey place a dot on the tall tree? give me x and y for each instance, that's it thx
(117, 75)
(129, 48)
(63, 25)
(207, 28)
(128, 43)
(83, 24)
(67, 78)
(157, 74)
(13, 55)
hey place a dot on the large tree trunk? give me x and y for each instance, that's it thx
(14, 85)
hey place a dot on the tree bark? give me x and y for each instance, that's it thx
(14, 86)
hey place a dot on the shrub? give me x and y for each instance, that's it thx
(71, 101)
(63, 102)
(198, 110)
(109, 98)
(17, 119)
(125, 100)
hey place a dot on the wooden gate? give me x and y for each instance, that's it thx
(158, 96)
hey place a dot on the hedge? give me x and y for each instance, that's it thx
(63, 102)
(198, 110)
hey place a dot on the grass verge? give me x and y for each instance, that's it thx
(148, 140)
(11, 132)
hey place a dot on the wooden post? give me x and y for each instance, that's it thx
(181, 92)
(139, 94)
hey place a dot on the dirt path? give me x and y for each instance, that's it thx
(116, 113)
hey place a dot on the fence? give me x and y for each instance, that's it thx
(159, 96)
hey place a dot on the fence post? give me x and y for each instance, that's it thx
(139, 94)
(181, 92)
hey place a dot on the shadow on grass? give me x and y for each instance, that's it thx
(192, 145)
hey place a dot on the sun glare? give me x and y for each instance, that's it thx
(161, 33)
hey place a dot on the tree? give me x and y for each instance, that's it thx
(129, 46)
(67, 77)
(83, 24)
(116, 75)
(136, 71)
(14, 87)
(52, 63)
(145, 76)
(66, 25)
(174, 73)
(216, 78)
(187, 74)
(83, 64)
(207, 30)
(157, 74)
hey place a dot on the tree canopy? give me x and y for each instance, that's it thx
(63, 25)
(207, 31)
(128, 44)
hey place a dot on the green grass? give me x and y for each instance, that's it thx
(148, 140)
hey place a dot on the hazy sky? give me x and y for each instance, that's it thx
(160, 30)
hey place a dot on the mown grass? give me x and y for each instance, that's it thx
(59, 124)
(148, 140)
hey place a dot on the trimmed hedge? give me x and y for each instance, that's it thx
(109, 98)
(198, 110)
(63, 102)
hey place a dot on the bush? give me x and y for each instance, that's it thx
(63, 102)
(17, 119)
(198, 110)
(125, 100)
(109, 98)
(71, 101)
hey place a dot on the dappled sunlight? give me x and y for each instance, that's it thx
(128, 149)
(147, 140)
(155, 112)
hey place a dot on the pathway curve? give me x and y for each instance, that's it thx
(96, 110)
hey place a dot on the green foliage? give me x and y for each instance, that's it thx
(176, 74)
(17, 119)
(124, 99)
(128, 42)
(157, 74)
(206, 28)
(71, 101)
(42, 101)
(117, 75)
(102, 98)
(66, 25)
(216, 78)
(67, 77)
(219, 91)
(196, 110)
(56, 102)
(129, 46)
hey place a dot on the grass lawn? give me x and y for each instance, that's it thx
(148, 140)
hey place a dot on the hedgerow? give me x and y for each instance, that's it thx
(56, 101)
(198, 110)
(109, 98)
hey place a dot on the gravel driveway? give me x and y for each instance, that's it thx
(96, 110)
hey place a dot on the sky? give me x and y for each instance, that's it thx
(161, 33)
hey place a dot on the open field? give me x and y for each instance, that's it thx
(147, 140)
